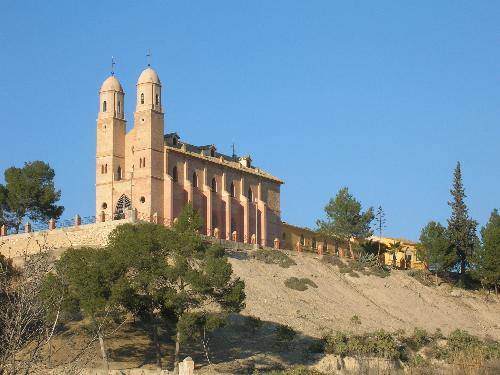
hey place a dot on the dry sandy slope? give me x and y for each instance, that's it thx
(397, 301)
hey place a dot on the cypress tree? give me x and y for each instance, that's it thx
(461, 228)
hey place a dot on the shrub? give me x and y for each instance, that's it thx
(274, 257)
(284, 334)
(333, 259)
(301, 370)
(378, 344)
(253, 324)
(419, 339)
(299, 284)
(355, 320)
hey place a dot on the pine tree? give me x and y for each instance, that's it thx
(345, 220)
(487, 265)
(435, 248)
(461, 228)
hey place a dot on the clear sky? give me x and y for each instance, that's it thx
(381, 96)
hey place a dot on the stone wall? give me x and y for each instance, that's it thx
(16, 246)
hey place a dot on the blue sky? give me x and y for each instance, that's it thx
(383, 97)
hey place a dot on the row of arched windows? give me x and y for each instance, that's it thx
(142, 162)
(104, 169)
(213, 186)
(105, 106)
(157, 99)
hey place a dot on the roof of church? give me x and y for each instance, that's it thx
(149, 75)
(203, 152)
(111, 84)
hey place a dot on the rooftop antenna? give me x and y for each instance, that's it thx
(234, 153)
(148, 57)
(113, 63)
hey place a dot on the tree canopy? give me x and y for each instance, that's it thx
(461, 228)
(435, 248)
(29, 192)
(345, 218)
(487, 259)
(165, 277)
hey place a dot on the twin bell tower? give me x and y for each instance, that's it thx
(129, 166)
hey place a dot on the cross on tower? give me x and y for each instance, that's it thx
(148, 57)
(113, 66)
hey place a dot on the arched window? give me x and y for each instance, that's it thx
(102, 169)
(250, 195)
(212, 152)
(143, 162)
(233, 191)
(157, 99)
(121, 206)
(302, 240)
(214, 185)
(119, 174)
(142, 98)
(174, 141)
(119, 107)
(104, 106)
(105, 168)
(314, 243)
(195, 180)
(174, 174)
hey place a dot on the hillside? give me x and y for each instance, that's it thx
(395, 302)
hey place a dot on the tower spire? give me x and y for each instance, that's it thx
(113, 66)
(148, 57)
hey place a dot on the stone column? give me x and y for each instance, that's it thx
(3, 230)
(188, 186)
(246, 219)
(226, 196)
(246, 211)
(78, 220)
(169, 200)
(27, 227)
(52, 224)
(186, 367)
(320, 249)
(102, 217)
(263, 216)
(228, 218)
(263, 223)
(208, 193)
(277, 244)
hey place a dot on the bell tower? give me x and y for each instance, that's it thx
(148, 152)
(110, 144)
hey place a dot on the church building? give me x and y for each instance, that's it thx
(155, 174)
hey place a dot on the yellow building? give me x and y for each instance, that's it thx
(400, 253)
(309, 240)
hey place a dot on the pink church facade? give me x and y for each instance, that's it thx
(156, 175)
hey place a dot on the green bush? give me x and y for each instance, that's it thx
(419, 339)
(274, 257)
(253, 324)
(296, 371)
(355, 320)
(284, 334)
(378, 344)
(299, 284)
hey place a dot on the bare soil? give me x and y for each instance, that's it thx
(395, 302)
